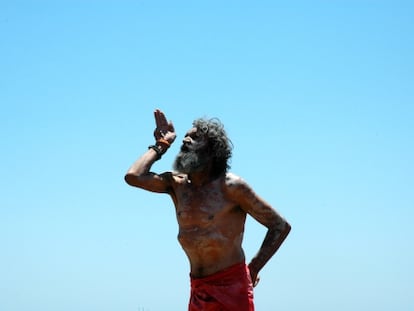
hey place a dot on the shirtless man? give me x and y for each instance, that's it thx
(211, 206)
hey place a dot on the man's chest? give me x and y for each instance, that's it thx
(201, 206)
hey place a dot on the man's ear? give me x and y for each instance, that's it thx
(210, 149)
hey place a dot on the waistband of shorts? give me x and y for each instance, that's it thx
(238, 267)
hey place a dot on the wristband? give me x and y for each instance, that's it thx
(157, 150)
(163, 143)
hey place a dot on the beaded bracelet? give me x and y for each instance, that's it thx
(157, 150)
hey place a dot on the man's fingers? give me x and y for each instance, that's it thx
(156, 112)
(160, 119)
(171, 127)
(256, 281)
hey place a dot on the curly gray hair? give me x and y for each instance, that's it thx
(219, 145)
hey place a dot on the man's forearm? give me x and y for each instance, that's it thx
(272, 241)
(141, 166)
(144, 163)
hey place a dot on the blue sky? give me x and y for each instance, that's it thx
(316, 96)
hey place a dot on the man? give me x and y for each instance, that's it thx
(211, 206)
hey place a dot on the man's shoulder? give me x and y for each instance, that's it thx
(235, 187)
(233, 177)
(233, 180)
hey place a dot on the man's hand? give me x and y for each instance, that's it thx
(164, 130)
(254, 276)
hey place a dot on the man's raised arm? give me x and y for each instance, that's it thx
(139, 174)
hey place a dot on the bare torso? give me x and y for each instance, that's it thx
(211, 225)
(211, 213)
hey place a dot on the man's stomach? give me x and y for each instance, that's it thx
(210, 250)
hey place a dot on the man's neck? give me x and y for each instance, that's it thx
(200, 178)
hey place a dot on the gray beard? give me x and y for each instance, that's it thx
(190, 161)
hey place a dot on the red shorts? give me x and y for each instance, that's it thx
(228, 290)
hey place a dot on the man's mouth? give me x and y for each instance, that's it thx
(184, 148)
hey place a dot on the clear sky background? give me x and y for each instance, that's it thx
(317, 97)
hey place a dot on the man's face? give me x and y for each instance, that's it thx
(193, 156)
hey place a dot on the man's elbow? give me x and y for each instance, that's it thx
(283, 227)
(287, 228)
(130, 179)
